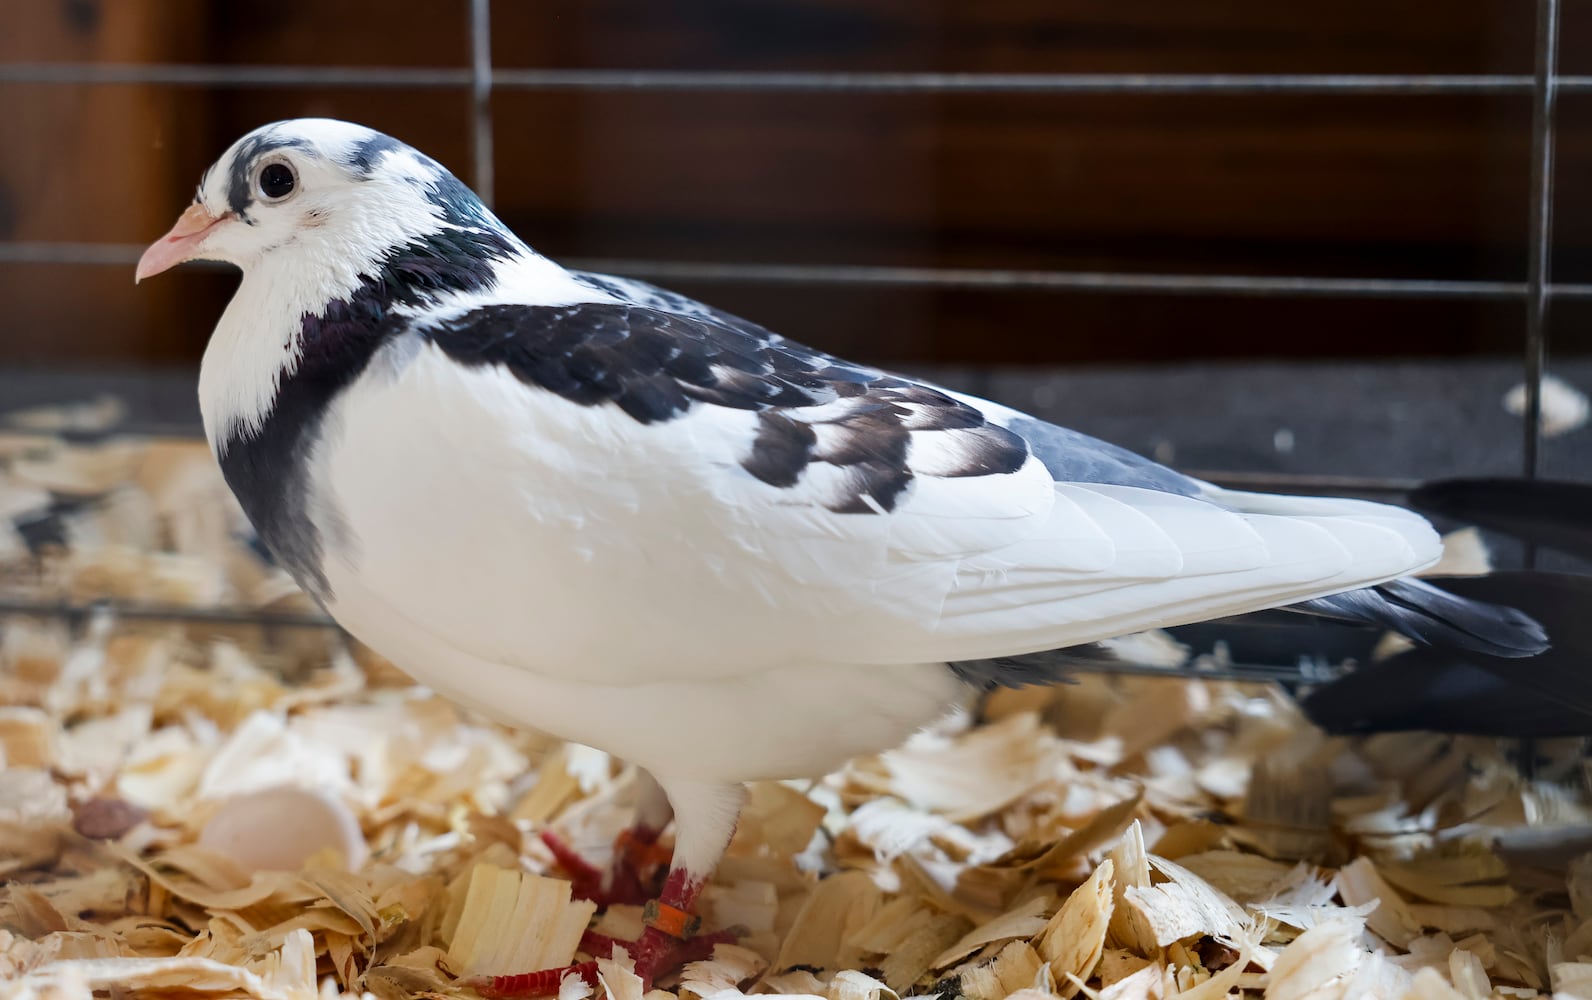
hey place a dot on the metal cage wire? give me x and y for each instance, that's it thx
(481, 78)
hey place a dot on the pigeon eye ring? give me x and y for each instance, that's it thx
(275, 181)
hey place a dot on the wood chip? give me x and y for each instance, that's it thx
(1074, 938)
(514, 922)
(1016, 967)
(1322, 955)
(1392, 920)
(617, 977)
(1025, 921)
(729, 967)
(971, 777)
(827, 924)
(27, 737)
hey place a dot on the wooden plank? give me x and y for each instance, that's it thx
(96, 164)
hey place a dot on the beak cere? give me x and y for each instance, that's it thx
(181, 244)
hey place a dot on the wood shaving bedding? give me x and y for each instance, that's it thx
(1119, 839)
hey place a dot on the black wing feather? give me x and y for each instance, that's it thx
(656, 365)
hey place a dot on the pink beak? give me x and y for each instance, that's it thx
(181, 244)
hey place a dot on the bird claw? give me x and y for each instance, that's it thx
(655, 953)
(634, 853)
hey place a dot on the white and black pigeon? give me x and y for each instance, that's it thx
(588, 505)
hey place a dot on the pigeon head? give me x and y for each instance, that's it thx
(322, 193)
(337, 228)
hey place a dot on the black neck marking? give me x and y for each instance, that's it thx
(239, 195)
(458, 205)
(268, 470)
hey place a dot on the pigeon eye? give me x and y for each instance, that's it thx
(276, 181)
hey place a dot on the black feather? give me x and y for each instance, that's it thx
(1549, 694)
(239, 197)
(1432, 616)
(1053, 666)
(782, 449)
(656, 365)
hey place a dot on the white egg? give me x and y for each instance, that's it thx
(281, 828)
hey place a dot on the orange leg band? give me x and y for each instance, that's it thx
(672, 921)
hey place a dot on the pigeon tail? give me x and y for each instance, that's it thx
(1434, 617)
(1449, 691)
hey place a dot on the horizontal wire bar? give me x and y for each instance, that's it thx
(142, 611)
(170, 74)
(37, 252)
(194, 75)
(1077, 281)
(1023, 83)
(74, 612)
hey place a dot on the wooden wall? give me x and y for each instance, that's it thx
(1340, 186)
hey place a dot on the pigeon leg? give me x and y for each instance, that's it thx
(705, 818)
(639, 860)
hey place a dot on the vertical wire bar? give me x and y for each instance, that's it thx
(481, 96)
(1544, 103)
(1543, 133)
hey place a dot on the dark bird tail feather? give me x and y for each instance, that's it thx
(1482, 666)
(1456, 691)
(1427, 614)
(1435, 617)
